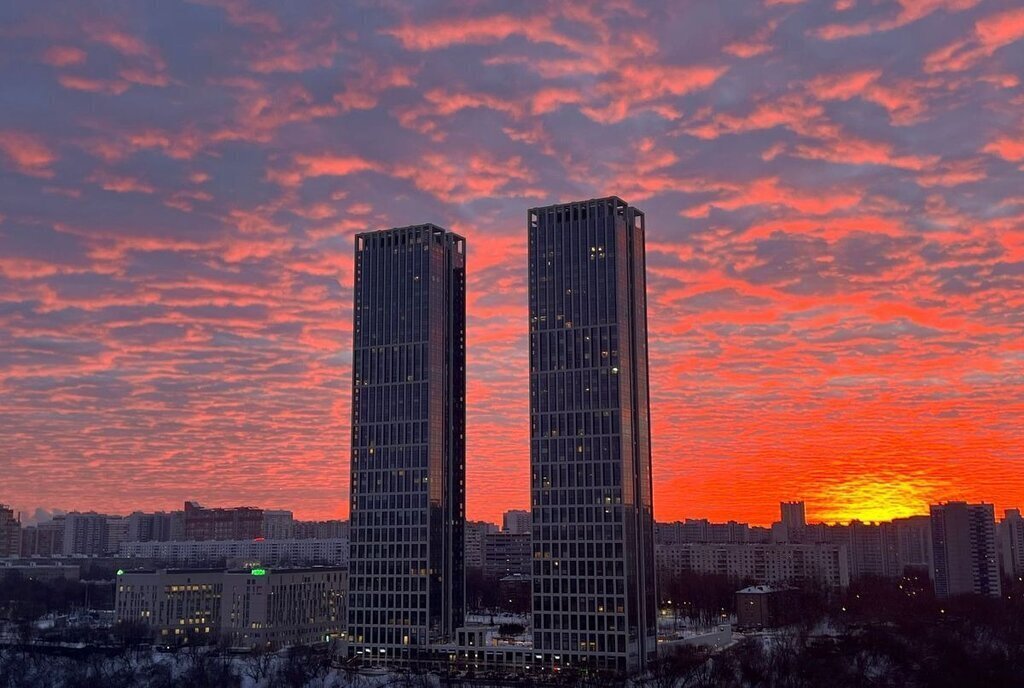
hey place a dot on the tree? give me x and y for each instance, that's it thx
(677, 665)
(132, 634)
(303, 666)
(260, 666)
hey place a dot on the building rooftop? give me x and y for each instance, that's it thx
(758, 590)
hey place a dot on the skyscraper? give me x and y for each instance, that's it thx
(406, 577)
(964, 550)
(594, 598)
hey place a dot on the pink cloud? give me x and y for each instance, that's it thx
(1007, 147)
(80, 83)
(989, 35)
(754, 45)
(482, 30)
(63, 56)
(770, 192)
(27, 153)
(910, 11)
(243, 13)
(901, 100)
(120, 183)
(637, 87)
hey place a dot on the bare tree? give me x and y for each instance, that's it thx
(260, 666)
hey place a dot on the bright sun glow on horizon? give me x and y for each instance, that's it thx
(872, 499)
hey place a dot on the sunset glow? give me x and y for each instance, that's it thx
(834, 198)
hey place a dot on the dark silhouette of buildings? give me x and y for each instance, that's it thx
(408, 494)
(594, 598)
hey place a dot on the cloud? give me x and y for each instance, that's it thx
(768, 192)
(637, 86)
(1007, 147)
(989, 35)
(63, 56)
(469, 30)
(910, 11)
(27, 153)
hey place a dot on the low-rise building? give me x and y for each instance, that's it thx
(760, 606)
(515, 592)
(196, 553)
(822, 565)
(43, 570)
(256, 608)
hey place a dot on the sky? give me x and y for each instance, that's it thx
(834, 195)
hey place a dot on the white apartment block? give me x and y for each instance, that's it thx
(194, 553)
(766, 564)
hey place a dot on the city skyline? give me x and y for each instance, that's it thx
(835, 262)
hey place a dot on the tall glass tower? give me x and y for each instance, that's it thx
(594, 598)
(408, 495)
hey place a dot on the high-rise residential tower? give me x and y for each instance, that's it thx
(1011, 543)
(964, 550)
(516, 521)
(793, 515)
(10, 532)
(594, 598)
(408, 495)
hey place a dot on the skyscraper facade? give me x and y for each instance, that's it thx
(406, 576)
(594, 598)
(964, 550)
